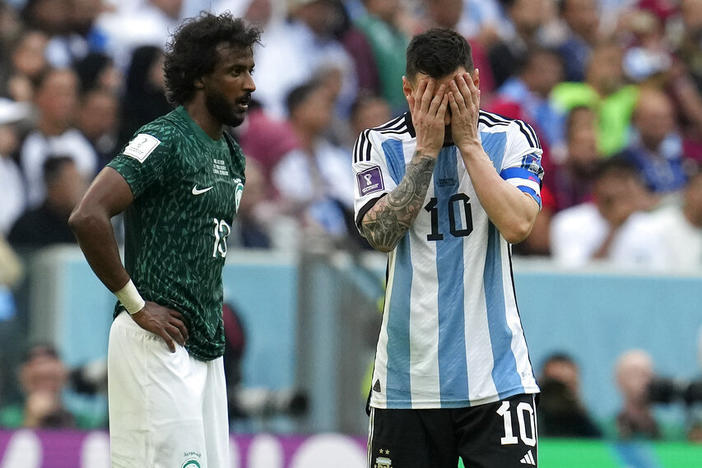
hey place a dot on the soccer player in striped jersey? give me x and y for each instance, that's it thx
(445, 189)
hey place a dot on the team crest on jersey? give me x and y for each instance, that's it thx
(370, 180)
(192, 460)
(238, 192)
(141, 147)
(383, 461)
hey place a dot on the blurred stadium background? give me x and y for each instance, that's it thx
(77, 77)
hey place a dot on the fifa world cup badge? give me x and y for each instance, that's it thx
(383, 462)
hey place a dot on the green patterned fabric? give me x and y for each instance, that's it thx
(186, 189)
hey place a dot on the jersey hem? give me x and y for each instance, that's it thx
(433, 404)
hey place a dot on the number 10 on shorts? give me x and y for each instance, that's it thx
(525, 415)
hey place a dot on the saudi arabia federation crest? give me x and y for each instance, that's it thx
(238, 192)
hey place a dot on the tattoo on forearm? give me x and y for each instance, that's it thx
(386, 223)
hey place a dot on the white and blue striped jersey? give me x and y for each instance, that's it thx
(451, 335)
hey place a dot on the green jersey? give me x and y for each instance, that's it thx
(186, 189)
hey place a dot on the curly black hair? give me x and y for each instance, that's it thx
(192, 52)
(438, 52)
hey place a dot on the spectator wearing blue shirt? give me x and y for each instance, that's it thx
(655, 145)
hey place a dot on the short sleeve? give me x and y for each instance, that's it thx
(521, 165)
(145, 159)
(371, 173)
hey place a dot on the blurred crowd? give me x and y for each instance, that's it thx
(613, 89)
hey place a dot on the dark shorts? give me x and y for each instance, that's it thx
(494, 435)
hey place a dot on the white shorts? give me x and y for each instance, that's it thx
(166, 409)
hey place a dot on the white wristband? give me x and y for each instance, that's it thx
(130, 298)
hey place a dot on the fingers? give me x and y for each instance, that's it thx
(175, 333)
(474, 91)
(167, 338)
(178, 323)
(437, 101)
(427, 96)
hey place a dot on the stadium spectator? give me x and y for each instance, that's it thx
(601, 229)
(582, 20)
(483, 21)
(507, 55)
(305, 47)
(144, 92)
(367, 112)
(688, 48)
(13, 191)
(48, 223)
(381, 27)
(561, 410)
(98, 122)
(674, 232)
(634, 371)
(26, 65)
(98, 71)
(605, 91)
(68, 23)
(57, 101)
(529, 92)
(133, 24)
(313, 180)
(648, 56)
(655, 145)
(360, 51)
(42, 377)
(256, 213)
(570, 181)
(266, 139)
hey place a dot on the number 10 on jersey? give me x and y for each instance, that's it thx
(456, 202)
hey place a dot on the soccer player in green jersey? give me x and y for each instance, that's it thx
(179, 182)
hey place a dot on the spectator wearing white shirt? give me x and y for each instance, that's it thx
(674, 233)
(299, 49)
(313, 179)
(13, 196)
(604, 228)
(56, 100)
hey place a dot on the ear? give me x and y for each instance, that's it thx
(198, 83)
(407, 87)
(476, 78)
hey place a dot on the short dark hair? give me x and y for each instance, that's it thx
(299, 94)
(559, 356)
(53, 166)
(617, 166)
(192, 52)
(437, 52)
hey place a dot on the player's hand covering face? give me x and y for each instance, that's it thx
(428, 103)
(464, 103)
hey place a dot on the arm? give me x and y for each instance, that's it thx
(108, 195)
(512, 211)
(390, 218)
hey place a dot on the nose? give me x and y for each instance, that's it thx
(249, 84)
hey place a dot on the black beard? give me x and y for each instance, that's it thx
(217, 105)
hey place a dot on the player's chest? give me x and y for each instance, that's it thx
(451, 208)
(212, 184)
